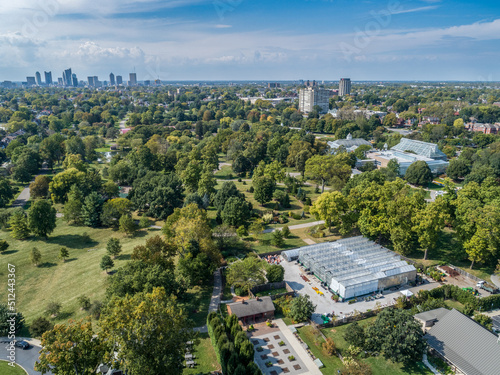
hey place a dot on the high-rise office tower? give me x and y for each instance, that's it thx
(74, 80)
(119, 80)
(30, 81)
(48, 78)
(312, 96)
(112, 79)
(67, 78)
(90, 81)
(345, 86)
(132, 79)
(38, 78)
(60, 81)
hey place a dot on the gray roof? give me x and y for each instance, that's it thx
(347, 143)
(252, 307)
(429, 150)
(469, 346)
(432, 314)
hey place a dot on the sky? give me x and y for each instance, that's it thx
(379, 40)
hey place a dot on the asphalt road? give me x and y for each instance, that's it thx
(23, 198)
(24, 358)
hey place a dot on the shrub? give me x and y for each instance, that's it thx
(291, 358)
(84, 302)
(329, 347)
(53, 308)
(4, 245)
(40, 326)
(267, 218)
(285, 231)
(95, 309)
(281, 343)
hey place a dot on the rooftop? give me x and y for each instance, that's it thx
(252, 306)
(465, 343)
(428, 150)
(436, 314)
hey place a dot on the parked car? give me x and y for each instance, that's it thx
(22, 344)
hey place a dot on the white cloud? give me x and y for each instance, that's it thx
(421, 9)
(223, 26)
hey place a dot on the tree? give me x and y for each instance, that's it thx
(42, 218)
(84, 302)
(398, 335)
(236, 211)
(418, 173)
(227, 190)
(5, 320)
(132, 321)
(207, 184)
(484, 320)
(155, 251)
(157, 194)
(53, 308)
(390, 120)
(247, 273)
(72, 348)
(457, 168)
(459, 124)
(91, 210)
(196, 267)
(127, 225)
(333, 168)
(329, 347)
(18, 224)
(110, 189)
(277, 239)
(242, 231)
(106, 263)
(113, 210)
(73, 208)
(263, 189)
(40, 187)
(275, 273)
(428, 224)
(332, 207)
(286, 231)
(6, 192)
(113, 247)
(39, 326)
(301, 308)
(35, 256)
(4, 245)
(63, 254)
(191, 175)
(355, 335)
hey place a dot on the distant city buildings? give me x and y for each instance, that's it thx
(345, 86)
(311, 84)
(483, 128)
(132, 79)
(311, 97)
(67, 77)
(74, 80)
(38, 78)
(48, 78)
(273, 85)
(59, 81)
(119, 80)
(30, 81)
(111, 79)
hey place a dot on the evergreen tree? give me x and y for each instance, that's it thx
(91, 210)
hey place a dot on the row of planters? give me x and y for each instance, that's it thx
(234, 350)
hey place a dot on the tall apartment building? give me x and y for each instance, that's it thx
(67, 77)
(312, 96)
(273, 85)
(74, 80)
(345, 86)
(48, 78)
(132, 79)
(111, 79)
(119, 80)
(30, 81)
(91, 81)
(38, 78)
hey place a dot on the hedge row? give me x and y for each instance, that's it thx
(233, 348)
(464, 297)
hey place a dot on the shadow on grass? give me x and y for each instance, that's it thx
(47, 265)
(123, 257)
(70, 260)
(10, 252)
(73, 241)
(64, 315)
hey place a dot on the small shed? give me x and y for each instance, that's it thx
(253, 310)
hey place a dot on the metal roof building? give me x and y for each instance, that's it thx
(356, 266)
(426, 149)
(472, 349)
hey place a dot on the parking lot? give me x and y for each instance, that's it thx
(325, 304)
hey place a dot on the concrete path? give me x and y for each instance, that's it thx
(215, 301)
(429, 366)
(23, 198)
(495, 280)
(299, 349)
(24, 358)
(309, 241)
(297, 226)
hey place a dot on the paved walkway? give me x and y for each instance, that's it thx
(426, 362)
(215, 301)
(299, 349)
(309, 241)
(495, 280)
(297, 226)
(23, 198)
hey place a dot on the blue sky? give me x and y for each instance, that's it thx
(252, 39)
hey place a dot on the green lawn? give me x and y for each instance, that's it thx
(6, 369)
(454, 305)
(379, 365)
(205, 358)
(264, 244)
(62, 282)
(196, 303)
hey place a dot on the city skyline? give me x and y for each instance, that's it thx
(230, 40)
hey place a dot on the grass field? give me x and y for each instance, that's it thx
(62, 282)
(6, 369)
(379, 365)
(205, 358)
